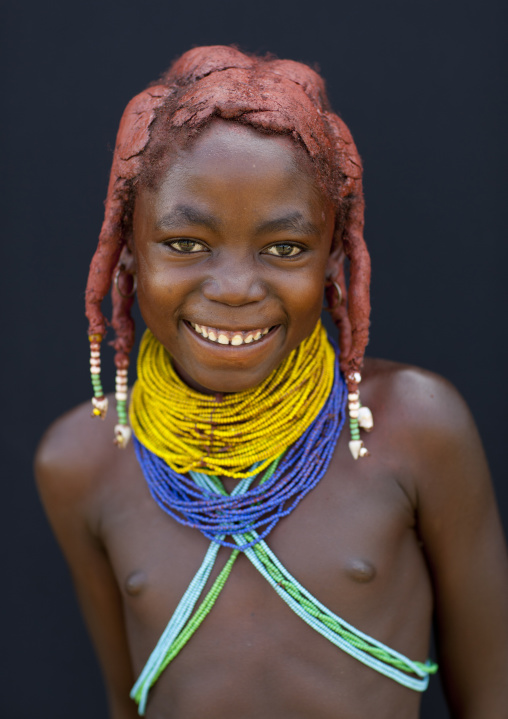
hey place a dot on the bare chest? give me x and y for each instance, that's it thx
(351, 542)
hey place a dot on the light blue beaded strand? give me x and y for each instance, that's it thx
(250, 552)
(254, 547)
(181, 614)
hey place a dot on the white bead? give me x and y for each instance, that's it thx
(364, 452)
(353, 413)
(365, 419)
(95, 355)
(101, 405)
(354, 396)
(122, 435)
(120, 396)
(95, 370)
(354, 405)
(95, 362)
(357, 377)
(122, 372)
(355, 447)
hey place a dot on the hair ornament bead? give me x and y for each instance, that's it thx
(359, 418)
(122, 435)
(365, 419)
(99, 401)
(357, 449)
(355, 377)
(100, 407)
(122, 430)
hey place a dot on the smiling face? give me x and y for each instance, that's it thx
(231, 253)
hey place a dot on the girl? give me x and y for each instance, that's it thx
(249, 553)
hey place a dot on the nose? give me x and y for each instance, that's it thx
(235, 281)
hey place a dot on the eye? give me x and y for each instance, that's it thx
(186, 246)
(284, 249)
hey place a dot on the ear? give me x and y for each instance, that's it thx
(127, 260)
(335, 260)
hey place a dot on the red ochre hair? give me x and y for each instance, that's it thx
(273, 96)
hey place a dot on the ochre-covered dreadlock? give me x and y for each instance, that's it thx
(273, 96)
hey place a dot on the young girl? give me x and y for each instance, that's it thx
(251, 552)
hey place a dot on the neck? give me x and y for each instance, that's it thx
(192, 384)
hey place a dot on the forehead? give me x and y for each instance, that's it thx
(233, 167)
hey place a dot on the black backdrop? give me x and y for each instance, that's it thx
(421, 85)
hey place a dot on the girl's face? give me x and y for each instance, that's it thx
(231, 253)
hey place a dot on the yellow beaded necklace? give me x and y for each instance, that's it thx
(227, 435)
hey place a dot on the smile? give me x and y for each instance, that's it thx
(229, 337)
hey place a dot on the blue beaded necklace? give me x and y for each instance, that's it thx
(259, 508)
(200, 501)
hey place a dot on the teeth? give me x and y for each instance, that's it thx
(225, 337)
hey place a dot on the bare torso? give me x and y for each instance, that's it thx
(354, 542)
(253, 657)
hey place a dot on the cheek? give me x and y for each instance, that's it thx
(159, 292)
(304, 298)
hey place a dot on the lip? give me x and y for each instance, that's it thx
(229, 348)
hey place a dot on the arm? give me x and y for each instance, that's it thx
(68, 486)
(463, 540)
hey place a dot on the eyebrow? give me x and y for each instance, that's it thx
(295, 223)
(185, 214)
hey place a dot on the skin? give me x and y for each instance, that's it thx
(387, 542)
(205, 253)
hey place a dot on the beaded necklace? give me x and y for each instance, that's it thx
(215, 515)
(226, 435)
(200, 501)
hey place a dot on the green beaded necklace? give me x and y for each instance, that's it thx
(182, 626)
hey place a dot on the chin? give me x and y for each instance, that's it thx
(224, 381)
(211, 367)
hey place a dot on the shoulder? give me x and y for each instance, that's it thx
(76, 441)
(422, 398)
(424, 421)
(75, 458)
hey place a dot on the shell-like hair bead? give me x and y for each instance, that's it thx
(122, 435)
(359, 418)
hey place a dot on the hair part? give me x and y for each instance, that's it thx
(279, 97)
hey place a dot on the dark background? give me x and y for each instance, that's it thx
(422, 87)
